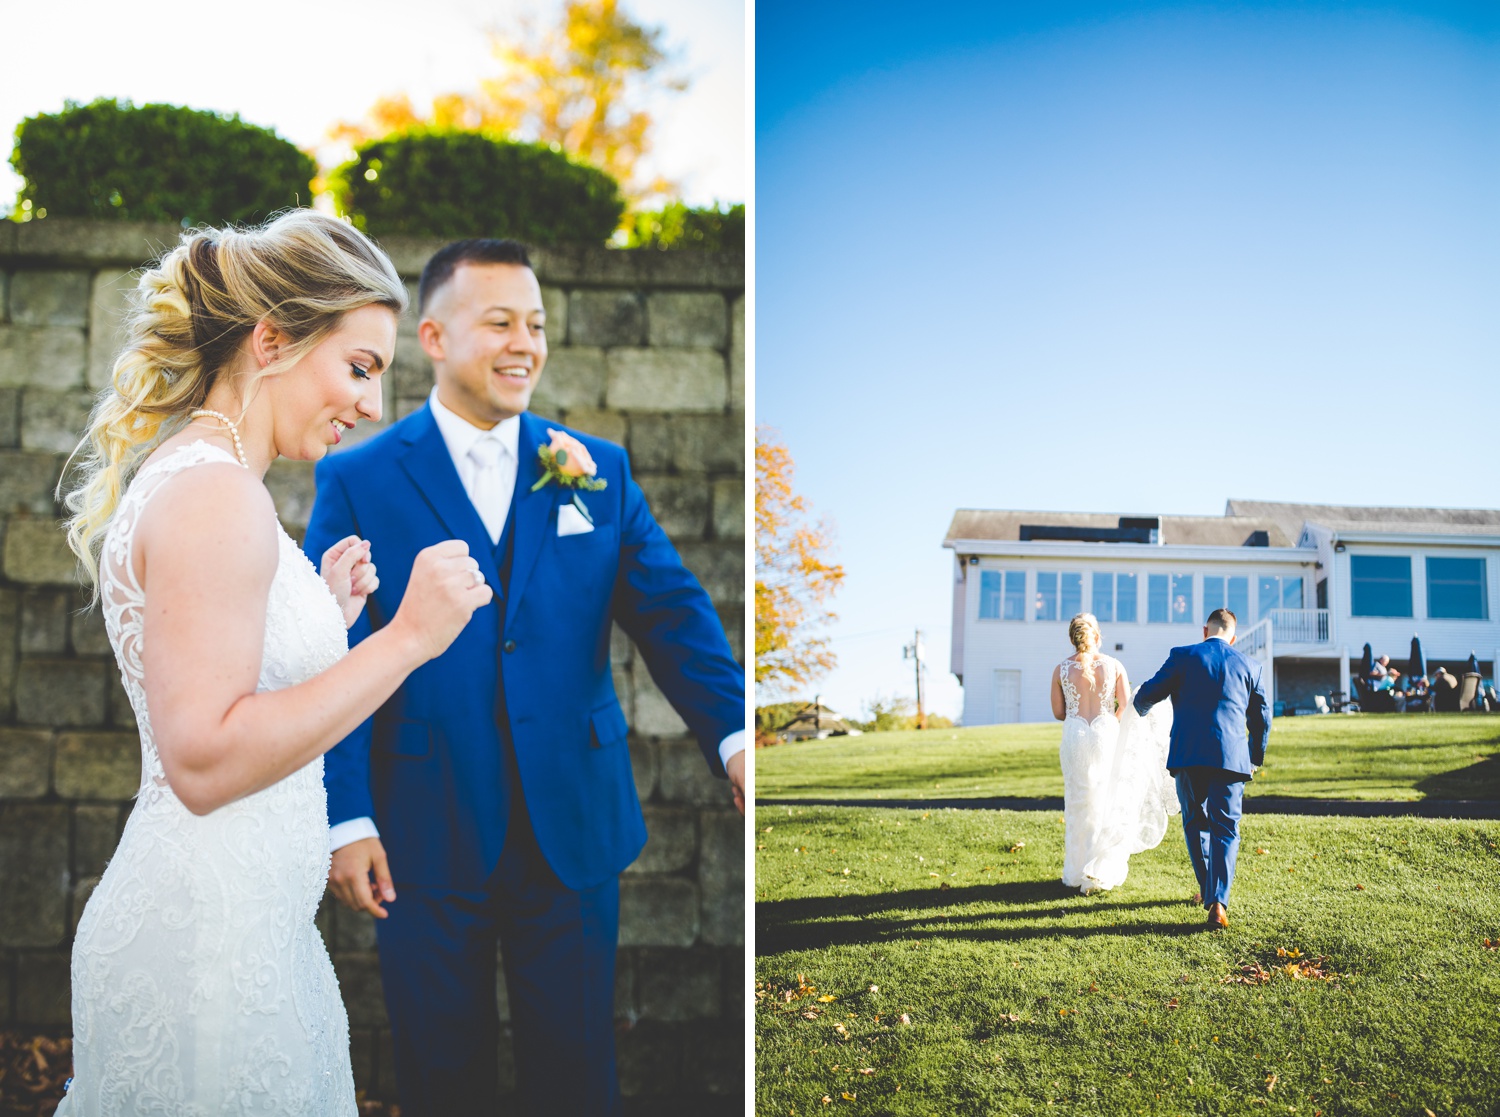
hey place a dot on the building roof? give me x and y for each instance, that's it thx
(1199, 531)
(1349, 518)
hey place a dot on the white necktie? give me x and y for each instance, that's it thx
(488, 489)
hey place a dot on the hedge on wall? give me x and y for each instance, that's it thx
(112, 159)
(464, 184)
(711, 228)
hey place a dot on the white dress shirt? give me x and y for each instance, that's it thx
(496, 492)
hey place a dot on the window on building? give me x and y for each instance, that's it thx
(1182, 599)
(1044, 607)
(1380, 585)
(1158, 599)
(1125, 593)
(1456, 589)
(1231, 592)
(1002, 595)
(1070, 593)
(1104, 596)
(1278, 591)
(1059, 596)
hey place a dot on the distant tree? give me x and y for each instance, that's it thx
(578, 86)
(794, 578)
(886, 715)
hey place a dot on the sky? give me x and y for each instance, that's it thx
(299, 66)
(1124, 258)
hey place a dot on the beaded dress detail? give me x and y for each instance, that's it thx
(200, 983)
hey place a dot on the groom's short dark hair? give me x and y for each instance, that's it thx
(475, 250)
(1221, 619)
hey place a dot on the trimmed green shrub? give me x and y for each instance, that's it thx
(112, 159)
(465, 184)
(678, 226)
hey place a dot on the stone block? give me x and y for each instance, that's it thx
(720, 567)
(555, 305)
(353, 930)
(737, 354)
(7, 990)
(292, 489)
(643, 767)
(625, 1007)
(411, 368)
(359, 984)
(688, 443)
(680, 504)
(33, 874)
(4, 279)
(10, 418)
(27, 482)
(121, 713)
(505, 1068)
(736, 982)
(666, 380)
(84, 242)
(658, 911)
(671, 841)
(63, 693)
(86, 632)
(109, 307)
(689, 319)
(713, 1062)
(37, 553)
(42, 356)
(79, 899)
(385, 1065)
(54, 421)
(686, 778)
(96, 832)
(606, 318)
(649, 1060)
(49, 297)
(621, 650)
(573, 377)
(654, 715)
(362, 1057)
(721, 877)
(44, 621)
(44, 997)
(608, 425)
(405, 407)
(732, 620)
(10, 635)
(729, 509)
(502, 988)
(97, 765)
(25, 763)
(679, 984)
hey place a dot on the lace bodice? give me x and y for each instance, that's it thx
(1087, 694)
(200, 983)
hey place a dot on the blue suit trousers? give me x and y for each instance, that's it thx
(1211, 802)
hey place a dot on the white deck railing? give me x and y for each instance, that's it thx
(1258, 642)
(1301, 626)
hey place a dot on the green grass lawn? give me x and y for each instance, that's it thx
(1359, 756)
(929, 962)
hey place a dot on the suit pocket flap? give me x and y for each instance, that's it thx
(409, 738)
(609, 725)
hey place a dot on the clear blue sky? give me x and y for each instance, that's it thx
(1117, 257)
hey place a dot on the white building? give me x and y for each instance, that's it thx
(1310, 583)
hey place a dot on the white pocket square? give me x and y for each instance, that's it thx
(570, 521)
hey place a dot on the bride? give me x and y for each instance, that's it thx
(1117, 793)
(200, 983)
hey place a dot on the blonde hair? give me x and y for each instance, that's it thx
(301, 271)
(1080, 628)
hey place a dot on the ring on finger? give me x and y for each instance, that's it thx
(478, 578)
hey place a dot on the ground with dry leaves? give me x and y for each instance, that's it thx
(922, 962)
(1358, 756)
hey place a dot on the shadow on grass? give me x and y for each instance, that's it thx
(815, 922)
(1478, 781)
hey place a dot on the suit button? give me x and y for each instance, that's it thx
(510, 645)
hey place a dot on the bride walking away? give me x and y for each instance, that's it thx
(200, 983)
(1116, 791)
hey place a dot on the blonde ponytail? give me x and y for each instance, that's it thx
(1083, 631)
(302, 272)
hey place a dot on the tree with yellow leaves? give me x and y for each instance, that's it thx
(794, 578)
(577, 86)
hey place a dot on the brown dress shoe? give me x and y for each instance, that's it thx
(1218, 918)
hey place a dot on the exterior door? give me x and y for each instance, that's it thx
(1007, 697)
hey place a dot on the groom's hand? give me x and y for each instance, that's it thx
(736, 771)
(349, 876)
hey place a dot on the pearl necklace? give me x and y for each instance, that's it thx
(234, 433)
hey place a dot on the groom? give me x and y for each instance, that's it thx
(494, 789)
(1219, 730)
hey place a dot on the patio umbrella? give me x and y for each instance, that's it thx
(1366, 661)
(1417, 667)
(1473, 664)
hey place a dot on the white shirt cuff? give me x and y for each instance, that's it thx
(730, 745)
(353, 830)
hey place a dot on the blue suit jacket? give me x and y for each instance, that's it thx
(429, 766)
(1219, 715)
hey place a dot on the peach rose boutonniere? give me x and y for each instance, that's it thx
(567, 464)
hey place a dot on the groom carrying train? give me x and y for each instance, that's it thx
(1219, 727)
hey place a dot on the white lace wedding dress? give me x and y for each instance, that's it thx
(1117, 793)
(200, 983)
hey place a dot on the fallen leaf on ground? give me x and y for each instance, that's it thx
(1270, 1084)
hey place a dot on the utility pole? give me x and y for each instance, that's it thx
(818, 713)
(917, 653)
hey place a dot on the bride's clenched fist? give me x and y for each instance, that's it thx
(444, 590)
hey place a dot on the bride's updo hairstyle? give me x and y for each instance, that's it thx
(302, 272)
(1083, 630)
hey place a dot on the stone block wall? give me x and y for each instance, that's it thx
(647, 350)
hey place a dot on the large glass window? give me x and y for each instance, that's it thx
(1125, 594)
(1232, 593)
(1058, 596)
(1002, 595)
(1104, 597)
(1278, 591)
(1071, 596)
(1044, 607)
(1380, 585)
(1182, 599)
(1158, 599)
(1456, 588)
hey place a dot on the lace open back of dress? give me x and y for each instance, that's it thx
(1088, 692)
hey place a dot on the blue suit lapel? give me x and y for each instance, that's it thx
(533, 511)
(429, 465)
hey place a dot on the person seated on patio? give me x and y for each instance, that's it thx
(1386, 680)
(1379, 668)
(1444, 691)
(1487, 699)
(1419, 694)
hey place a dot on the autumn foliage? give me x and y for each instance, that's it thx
(794, 578)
